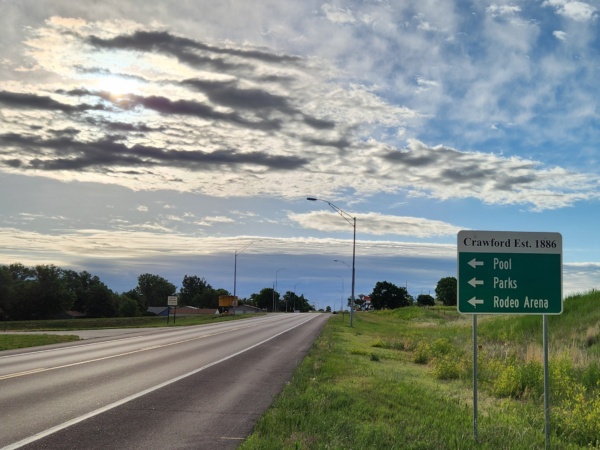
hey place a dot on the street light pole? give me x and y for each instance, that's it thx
(275, 286)
(235, 265)
(299, 282)
(341, 295)
(352, 221)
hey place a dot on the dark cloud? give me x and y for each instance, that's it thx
(466, 169)
(227, 93)
(74, 155)
(470, 175)
(185, 50)
(40, 102)
(508, 183)
(166, 106)
(410, 159)
(65, 132)
(31, 101)
(340, 143)
(319, 124)
(164, 42)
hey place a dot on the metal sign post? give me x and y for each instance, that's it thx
(172, 301)
(505, 272)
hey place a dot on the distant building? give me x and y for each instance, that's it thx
(244, 309)
(163, 311)
(367, 305)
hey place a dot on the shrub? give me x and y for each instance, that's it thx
(517, 380)
(422, 353)
(579, 418)
(441, 346)
(507, 384)
(446, 367)
(392, 344)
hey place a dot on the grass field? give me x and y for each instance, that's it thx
(403, 380)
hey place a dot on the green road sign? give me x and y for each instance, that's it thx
(502, 272)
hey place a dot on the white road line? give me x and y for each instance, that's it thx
(98, 411)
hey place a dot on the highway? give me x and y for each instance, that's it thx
(188, 387)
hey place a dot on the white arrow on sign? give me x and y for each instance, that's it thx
(474, 263)
(475, 282)
(475, 301)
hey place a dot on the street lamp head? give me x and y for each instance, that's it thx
(312, 199)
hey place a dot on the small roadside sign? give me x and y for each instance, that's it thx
(505, 272)
(172, 300)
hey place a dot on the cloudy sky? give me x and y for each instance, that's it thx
(182, 137)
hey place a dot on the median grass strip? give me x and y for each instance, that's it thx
(14, 341)
(118, 322)
(402, 380)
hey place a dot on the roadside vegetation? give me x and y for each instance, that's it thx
(402, 379)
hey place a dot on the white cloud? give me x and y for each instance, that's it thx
(573, 9)
(580, 277)
(337, 15)
(139, 244)
(503, 10)
(376, 224)
(445, 173)
(211, 221)
(560, 35)
(425, 84)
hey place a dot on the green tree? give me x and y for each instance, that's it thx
(5, 291)
(19, 272)
(291, 301)
(154, 290)
(425, 300)
(102, 302)
(387, 295)
(128, 307)
(446, 291)
(304, 306)
(358, 303)
(92, 296)
(41, 295)
(193, 291)
(135, 294)
(264, 299)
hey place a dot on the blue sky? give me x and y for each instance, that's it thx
(166, 139)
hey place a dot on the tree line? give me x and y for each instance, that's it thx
(47, 291)
(387, 295)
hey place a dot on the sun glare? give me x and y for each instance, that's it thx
(117, 85)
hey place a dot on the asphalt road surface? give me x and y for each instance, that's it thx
(198, 387)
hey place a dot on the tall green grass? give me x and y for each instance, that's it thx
(402, 379)
(12, 341)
